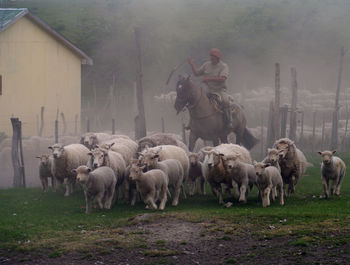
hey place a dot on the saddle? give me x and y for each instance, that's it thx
(216, 102)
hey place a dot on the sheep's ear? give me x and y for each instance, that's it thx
(156, 156)
(38, 157)
(97, 146)
(50, 147)
(319, 152)
(140, 154)
(291, 143)
(142, 167)
(333, 152)
(267, 165)
(111, 145)
(254, 162)
(89, 154)
(268, 150)
(89, 170)
(74, 171)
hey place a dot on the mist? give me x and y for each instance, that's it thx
(253, 35)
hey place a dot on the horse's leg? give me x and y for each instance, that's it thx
(192, 141)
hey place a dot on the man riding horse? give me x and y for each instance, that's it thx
(215, 72)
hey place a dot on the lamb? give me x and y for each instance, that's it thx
(272, 158)
(98, 185)
(168, 152)
(66, 158)
(332, 168)
(268, 180)
(157, 139)
(242, 173)
(101, 157)
(195, 175)
(91, 139)
(214, 169)
(152, 185)
(126, 147)
(171, 167)
(292, 162)
(45, 171)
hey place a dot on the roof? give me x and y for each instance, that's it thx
(9, 16)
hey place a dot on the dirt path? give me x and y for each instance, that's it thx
(175, 241)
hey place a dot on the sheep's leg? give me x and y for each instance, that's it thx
(235, 188)
(340, 180)
(109, 198)
(242, 196)
(98, 198)
(127, 191)
(273, 193)
(42, 179)
(176, 195)
(67, 187)
(266, 201)
(203, 185)
(54, 183)
(163, 197)
(325, 183)
(280, 188)
(150, 202)
(88, 202)
(192, 186)
(133, 197)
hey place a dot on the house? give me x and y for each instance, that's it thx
(38, 67)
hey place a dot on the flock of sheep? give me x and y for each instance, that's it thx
(157, 167)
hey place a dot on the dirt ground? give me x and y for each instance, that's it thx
(174, 241)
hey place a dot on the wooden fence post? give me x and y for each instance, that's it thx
(313, 131)
(88, 125)
(276, 121)
(262, 136)
(76, 124)
(184, 133)
(41, 128)
(56, 131)
(270, 129)
(17, 158)
(343, 148)
(293, 113)
(64, 124)
(141, 127)
(301, 139)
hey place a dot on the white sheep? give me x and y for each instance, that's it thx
(214, 169)
(45, 171)
(243, 174)
(152, 185)
(98, 185)
(268, 180)
(101, 157)
(171, 167)
(195, 174)
(272, 158)
(126, 147)
(332, 168)
(171, 152)
(91, 139)
(292, 162)
(66, 158)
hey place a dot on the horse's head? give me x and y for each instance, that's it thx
(182, 93)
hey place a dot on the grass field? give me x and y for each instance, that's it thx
(31, 219)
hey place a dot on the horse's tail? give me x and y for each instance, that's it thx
(248, 139)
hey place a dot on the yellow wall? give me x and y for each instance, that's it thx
(37, 70)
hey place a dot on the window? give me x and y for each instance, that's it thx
(0, 85)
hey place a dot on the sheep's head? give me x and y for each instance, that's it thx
(193, 157)
(135, 170)
(57, 150)
(150, 160)
(273, 154)
(98, 157)
(327, 156)
(283, 146)
(44, 159)
(231, 161)
(213, 158)
(260, 167)
(93, 140)
(82, 173)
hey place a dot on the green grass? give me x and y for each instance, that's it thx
(30, 218)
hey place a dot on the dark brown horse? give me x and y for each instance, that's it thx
(206, 121)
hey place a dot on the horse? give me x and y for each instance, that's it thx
(206, 120)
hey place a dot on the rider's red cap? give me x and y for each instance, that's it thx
(215, 52)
